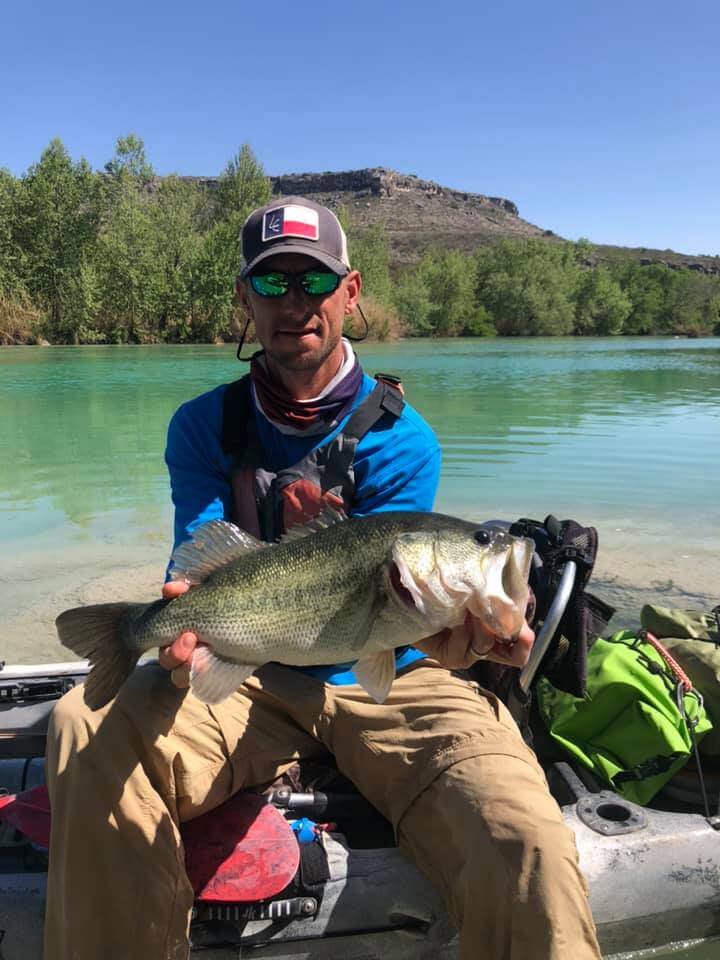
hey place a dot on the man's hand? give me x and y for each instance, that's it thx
(457, 648)
(177, 655)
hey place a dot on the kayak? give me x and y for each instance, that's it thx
(653, 872)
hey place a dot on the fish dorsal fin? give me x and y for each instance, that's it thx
(376, 673)
(328, 517)
(212, 546)
(213, 678)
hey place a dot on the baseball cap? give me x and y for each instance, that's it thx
(294, 225)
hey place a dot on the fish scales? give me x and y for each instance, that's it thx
(275, 604)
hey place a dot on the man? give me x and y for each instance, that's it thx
(441, 759)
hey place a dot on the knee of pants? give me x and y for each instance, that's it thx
(71, 718)
(147, 701)
(530, 852)
(491, 814)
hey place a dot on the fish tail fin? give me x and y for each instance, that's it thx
(103, 634)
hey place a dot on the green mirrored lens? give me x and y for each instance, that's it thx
(316, 283)
(270, 284)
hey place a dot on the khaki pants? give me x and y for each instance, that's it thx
(442, 760)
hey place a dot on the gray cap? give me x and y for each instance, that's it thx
(294, 225)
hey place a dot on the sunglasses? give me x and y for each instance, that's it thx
(315, 283)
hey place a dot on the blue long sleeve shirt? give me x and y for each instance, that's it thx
(397, 467)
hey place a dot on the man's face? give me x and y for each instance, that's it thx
(298, 331)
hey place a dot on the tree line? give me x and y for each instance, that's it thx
(122, 256)
(540, 288)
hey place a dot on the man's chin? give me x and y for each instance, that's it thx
(299, 360)
(301, 357)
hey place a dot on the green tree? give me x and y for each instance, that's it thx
(10, 251)
(56, 229)
(242, 187)
(691, 303)
(173, 213)
(601, 307)
(644, 288)
(369, 252)
(526, 286)
(212, 282)
(19, 320)
(129, 160)
(129, 276)
(583, 252)
(412, 302)
(449, 276)
(437, 298)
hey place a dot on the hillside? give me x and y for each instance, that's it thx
(418, 213)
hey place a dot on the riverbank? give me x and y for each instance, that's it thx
(250, 345)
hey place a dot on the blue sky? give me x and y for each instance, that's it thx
(598, 120)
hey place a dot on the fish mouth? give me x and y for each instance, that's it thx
(443, 601)
(506, 598)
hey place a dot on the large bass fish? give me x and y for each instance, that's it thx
(336, 591)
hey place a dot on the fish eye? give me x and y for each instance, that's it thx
(482, 536)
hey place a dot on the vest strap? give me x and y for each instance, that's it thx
(237, 410)
(383, 399)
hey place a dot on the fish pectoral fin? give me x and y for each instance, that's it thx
(214, 677)
(376, 673)
(213, 545)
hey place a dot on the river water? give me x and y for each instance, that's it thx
(623, 434)
(620, 433)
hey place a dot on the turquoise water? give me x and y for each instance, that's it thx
(621, 433)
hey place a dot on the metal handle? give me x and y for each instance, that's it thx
(550, 625)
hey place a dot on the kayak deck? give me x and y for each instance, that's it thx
(653, 874)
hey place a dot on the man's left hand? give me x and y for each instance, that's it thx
(457, 648)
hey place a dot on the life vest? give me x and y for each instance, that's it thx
(266, 503)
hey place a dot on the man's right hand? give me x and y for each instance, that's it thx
(177, 655)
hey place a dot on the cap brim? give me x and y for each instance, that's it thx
(305, 250)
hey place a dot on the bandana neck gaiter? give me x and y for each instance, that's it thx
(317, 415)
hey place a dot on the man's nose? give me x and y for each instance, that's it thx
(295, 298)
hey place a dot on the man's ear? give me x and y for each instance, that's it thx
(353, 286)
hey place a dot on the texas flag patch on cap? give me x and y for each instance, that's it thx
(291, 221)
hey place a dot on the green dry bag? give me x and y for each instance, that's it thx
(628, 729)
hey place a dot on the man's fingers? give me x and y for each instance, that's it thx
(482, 641)
(179, 652)
(517, 653)
(177, 655)
(450, 647)
(175, 588)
